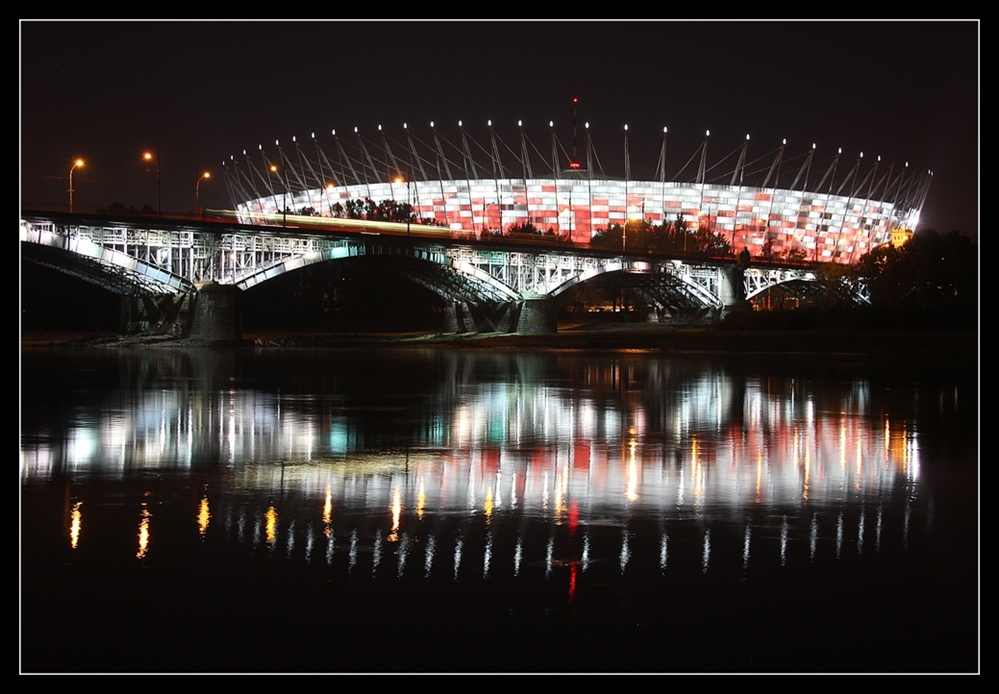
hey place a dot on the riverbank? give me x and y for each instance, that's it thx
(620, 337)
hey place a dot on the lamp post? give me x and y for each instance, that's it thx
(197, 193)
(284, 210)
(627, 175)
(330, 187)
(76, 164)
(148, 156)
(409, 204)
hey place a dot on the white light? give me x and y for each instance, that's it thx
(747, 137)
(551, 124)
(626, 127)
(784, 141)
(861, 155)
(707, 133)
(260, 147)
(355, 128)
(489, 123)
(879, 157)
(459, 124)
(405, 126)
(379, 127)
(520, 124)
(431, 124)
(334, 132)
(276, 143)
(813, 145)
(313, 136)
(840, 150)
(587, 124)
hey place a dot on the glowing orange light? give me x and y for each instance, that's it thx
(271, 525)
(204, 516)
(143, 532)
(74, 528)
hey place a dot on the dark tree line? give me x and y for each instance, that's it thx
(669, 238)
(930, 271)
(930, 282)
(368, 209)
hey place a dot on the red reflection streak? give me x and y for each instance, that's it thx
(572, 581)
(573, 518)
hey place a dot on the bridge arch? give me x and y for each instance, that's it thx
(668, 280)
(759, 280)
(429, 266)
(109, 268)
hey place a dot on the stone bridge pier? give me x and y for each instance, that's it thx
(218, 313)
(732, 289)
(531, 315)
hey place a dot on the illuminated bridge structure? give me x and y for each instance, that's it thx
(490, 284)
(777, 203)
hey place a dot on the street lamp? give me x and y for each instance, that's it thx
(148, 156)
(197, 191)
(627, 175)
(330, 187)
(284, 211)
(76, 164)
(409, 203)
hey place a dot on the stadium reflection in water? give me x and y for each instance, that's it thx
(412, 467)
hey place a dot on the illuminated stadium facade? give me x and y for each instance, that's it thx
(822, 211)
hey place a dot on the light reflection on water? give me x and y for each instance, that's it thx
(428, 467)
(502, 438)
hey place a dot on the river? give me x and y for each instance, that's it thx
(396, 510)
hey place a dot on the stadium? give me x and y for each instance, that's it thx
(779, 203)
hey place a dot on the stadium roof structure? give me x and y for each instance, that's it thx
(828, 211)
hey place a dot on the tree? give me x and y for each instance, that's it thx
(837, 287)
(929, 271)
(795, 254)
(525, 228)
(707, 242)
(607, 239)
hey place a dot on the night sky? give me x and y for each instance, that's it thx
(201, 92)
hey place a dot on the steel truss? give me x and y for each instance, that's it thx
(759, 280)
(169, 260)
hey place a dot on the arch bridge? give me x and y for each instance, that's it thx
(489, 284)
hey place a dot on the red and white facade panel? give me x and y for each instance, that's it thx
(829, 228)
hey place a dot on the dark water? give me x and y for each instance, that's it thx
(452, 511)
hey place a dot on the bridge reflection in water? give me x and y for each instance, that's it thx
(508, 466)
